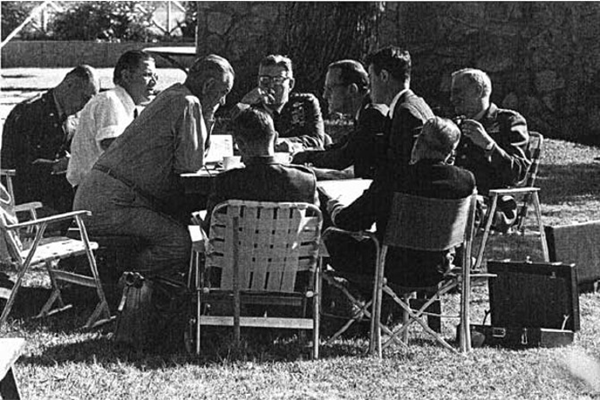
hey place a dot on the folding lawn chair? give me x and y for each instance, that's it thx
(425, 224)
(262, 268)
(529, 194)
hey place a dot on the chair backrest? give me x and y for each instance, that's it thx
(534, 153)
(429, 224)
(268, 243)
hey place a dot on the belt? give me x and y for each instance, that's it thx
(153, 200)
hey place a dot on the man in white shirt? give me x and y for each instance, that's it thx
(107, 115)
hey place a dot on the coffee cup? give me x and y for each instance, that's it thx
(230, 162)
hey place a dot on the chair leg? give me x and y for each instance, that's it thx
(13, 294)
(538, 214)
(55, 295)
(486, 232)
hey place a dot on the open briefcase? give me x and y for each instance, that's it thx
(531, 305)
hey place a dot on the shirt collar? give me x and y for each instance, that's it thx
(260, 160)
(395, 101)
(125, 98)
(59, 109)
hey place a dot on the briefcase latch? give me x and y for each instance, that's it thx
(524, 339)
(498, 332)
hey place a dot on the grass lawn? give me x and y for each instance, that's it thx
(61, 362)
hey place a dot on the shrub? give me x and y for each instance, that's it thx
(104, 20)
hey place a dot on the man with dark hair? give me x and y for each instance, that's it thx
(427, 175)
(106, 116)
(495, 140)
(262, 178)
(37, 136)
(297, 116)
(390, 73)
(347, 92)
(134, 188)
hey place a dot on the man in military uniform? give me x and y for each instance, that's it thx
(494, 142)
(36, 140)
(297, 116)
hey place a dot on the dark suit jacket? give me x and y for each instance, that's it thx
(409, 115)
(507, 163)
(427, 179)
(33, 130)
(363, 147)
(263, 179)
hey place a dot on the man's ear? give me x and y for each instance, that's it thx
(292, 83)
(207, 85)
(385, 75)
(353, 89)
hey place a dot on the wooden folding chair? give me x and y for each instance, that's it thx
(260, 249)
(529, 195)
(48, 252)
(425, 224)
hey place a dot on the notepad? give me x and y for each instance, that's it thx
(220, 146)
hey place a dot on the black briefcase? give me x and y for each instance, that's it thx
(531, 305)
(519, 338)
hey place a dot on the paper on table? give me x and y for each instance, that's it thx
(344, 190)
(220, 146)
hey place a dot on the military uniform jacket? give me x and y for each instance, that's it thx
(507, 163)
(34, 130)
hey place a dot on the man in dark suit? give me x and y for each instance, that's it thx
(389, 75)
(262, 178)
(428, 175)
(347, 92)
(36, 140)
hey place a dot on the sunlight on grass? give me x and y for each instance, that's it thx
(62, 362)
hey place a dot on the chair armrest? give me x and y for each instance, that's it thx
(52, 218)
(34, 205)
(517, 190)
(8, 172)
(357, 235)
(199, 238)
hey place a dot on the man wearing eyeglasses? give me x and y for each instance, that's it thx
(297, 116)
(347, 92)
(107, 115)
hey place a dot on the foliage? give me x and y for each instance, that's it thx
(104, 20)
(13, 14)
(188, 25)
(337, 30)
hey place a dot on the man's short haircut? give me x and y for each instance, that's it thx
(475, 77)
(254, 125)
(440, 136)
(82, 72)
(394, 60)
(351, 71)
(211, 66)
(277, 60)
(130, 60)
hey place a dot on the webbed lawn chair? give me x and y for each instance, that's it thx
(49, 252)
(529, 194)
(265, 255)
(429, 225)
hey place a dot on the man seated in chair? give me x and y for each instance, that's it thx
(428, 175)
(494, 141)
(297, 116)
(262, 178)
(347, 92)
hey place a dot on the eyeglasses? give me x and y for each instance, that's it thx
(266, 80)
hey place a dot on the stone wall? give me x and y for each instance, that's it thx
(543, 57)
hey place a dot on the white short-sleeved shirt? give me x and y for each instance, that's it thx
(104, 117)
